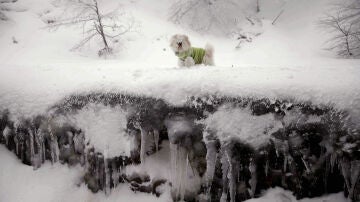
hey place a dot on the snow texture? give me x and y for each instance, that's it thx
(104, 128)
(228, 123)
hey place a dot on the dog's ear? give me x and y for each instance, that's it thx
(187, 40)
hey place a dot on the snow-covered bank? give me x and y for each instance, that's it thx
(287, 61)
(29, 90)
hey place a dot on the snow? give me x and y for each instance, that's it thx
(278, 194)
(104, 128)
(228, 123)
(171, 164)
(286, 61)
(57, 182)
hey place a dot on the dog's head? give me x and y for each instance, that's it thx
(180, 43)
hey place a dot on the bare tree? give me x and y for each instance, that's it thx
(344, 24)
(213, 16)
(95, 23)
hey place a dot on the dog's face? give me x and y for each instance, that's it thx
(180, 43)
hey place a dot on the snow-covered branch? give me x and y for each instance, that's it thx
(344, 24)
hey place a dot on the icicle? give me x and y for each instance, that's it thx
(43, 155)
(345, 169)
(156, 139)
(107, 173)
(41, 146)
(285, 150)
(182, 191)
(232, 179)
(253, 180)
(285, 162)
(333, 158)
(211, 156)
(225, 170)
(16, 140)
(143, 147)
(79, 142)
(327, 170)
(354, 173)
(98, 176)
(31, 145)
(306, 165)
(179, 166)
(86, 161)
(115, 174)
(70, 138)
(123, 161)
(37, 158)
(54, 147)
(6, 134)
(267, 167)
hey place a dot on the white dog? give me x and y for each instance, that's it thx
(190, 56)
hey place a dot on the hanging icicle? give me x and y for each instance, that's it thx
(54, 147)
(225, 166)
(107, 172)
(253, 179)
(211, 156)
(156, 139)
(179, 164)
(144, 143)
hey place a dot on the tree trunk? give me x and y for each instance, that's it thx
(101, 27)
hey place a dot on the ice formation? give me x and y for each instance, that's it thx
(219, 150)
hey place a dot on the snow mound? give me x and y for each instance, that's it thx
(228, 123)
(104, 128)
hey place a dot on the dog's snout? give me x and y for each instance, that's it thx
(179, 44)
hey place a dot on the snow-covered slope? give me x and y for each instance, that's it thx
(286, 61)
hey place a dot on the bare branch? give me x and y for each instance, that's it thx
(93, 22)
(344, 23)
(84, 41)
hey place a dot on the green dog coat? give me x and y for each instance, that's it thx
(196, 53)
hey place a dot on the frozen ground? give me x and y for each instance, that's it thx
(286, 61)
